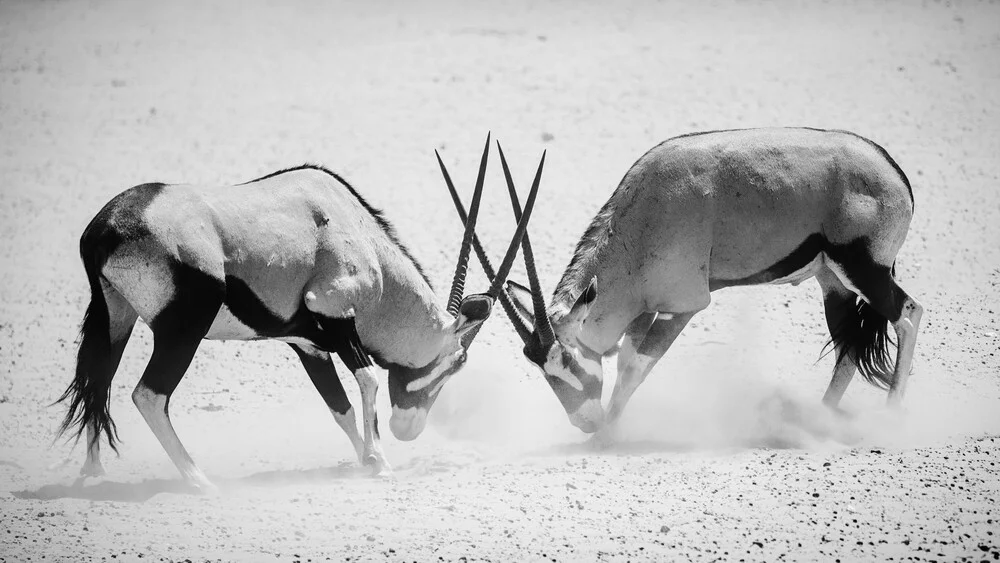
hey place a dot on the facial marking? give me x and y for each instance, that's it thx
(441, 369)
(423, 382)
(590, 365)
(556, 367)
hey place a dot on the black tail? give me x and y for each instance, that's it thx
(864, 335)
(88, 394)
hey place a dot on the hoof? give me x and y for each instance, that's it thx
(200, 484)
(895, 404)
(92, 470)
(604, 438)
(204, 488)
(380, 467)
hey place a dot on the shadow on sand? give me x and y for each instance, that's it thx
(142, 491)
(108, 490)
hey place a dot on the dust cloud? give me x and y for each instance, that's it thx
(706, 397)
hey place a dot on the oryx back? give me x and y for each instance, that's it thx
(711, 210)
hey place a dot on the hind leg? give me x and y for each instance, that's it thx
(177, 332)
(839, 304)
(906, 327)
(875, 284)
(122, 319)
(324, 376)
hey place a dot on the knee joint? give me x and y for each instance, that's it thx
(367, 379)
(145, 398)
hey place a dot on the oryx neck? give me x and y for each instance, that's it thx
(586, 258)
(407, 325)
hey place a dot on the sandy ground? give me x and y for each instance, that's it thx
(727, 454)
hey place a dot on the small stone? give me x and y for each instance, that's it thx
(664, 529)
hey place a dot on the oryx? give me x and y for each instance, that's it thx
(298, 256)
(706, 211)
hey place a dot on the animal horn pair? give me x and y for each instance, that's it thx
(498, 277)
(541, 320)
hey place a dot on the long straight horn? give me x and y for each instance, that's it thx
(461, 269)
(522, 226)
(515, 318)
(542, 323)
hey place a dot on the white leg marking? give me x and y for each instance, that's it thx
(635, 366)
(92, 467)
(153, 408)
(630, 375)
(368, 383)
(843, 373)
(349, 424)
(906, 336)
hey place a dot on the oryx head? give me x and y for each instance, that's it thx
(412, 390)
(551, 339)
(572, 369)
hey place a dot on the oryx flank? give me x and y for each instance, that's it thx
(297, 256)
(712, 210)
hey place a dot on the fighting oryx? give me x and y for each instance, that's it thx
(298, 256)
(707, 211)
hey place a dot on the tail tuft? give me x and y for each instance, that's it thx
(89, 394)
(863, 335)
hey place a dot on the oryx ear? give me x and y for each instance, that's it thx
(581, 308)
(474, 311)
(521, 297)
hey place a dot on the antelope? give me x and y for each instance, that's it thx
(706, 211)
(297, 256)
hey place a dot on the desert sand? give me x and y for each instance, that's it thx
(726, 452)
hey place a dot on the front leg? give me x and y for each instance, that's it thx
(368, 383)
(636, 360)
(342, 337)
(324, 376)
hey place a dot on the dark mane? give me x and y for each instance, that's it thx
(590, 244)
(376, 214)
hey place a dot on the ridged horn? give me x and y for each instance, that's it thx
(519, 234)
(462, 268)
(542, 324)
